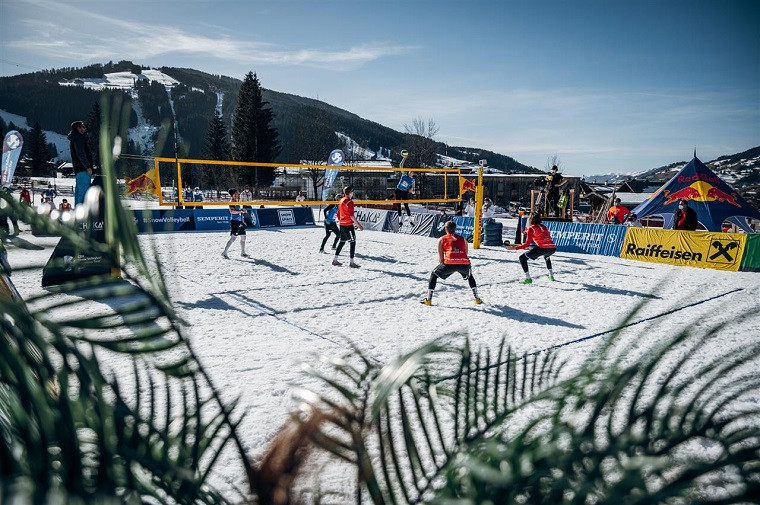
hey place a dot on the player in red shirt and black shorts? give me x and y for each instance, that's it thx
(545, 247)
(347, 220)
(452, 257)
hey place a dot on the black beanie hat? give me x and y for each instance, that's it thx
(232, 191)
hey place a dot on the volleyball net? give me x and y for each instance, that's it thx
(194, 182)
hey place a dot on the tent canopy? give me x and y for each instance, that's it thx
(712, 199)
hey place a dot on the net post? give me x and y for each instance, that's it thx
(158, 181)
(180, 197)
(478, 210)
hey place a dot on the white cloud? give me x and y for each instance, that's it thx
(84, 35)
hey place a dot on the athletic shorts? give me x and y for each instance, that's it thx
(332, 227)
(347, 234)
(237, 227)
(443, 271)
(537, 252)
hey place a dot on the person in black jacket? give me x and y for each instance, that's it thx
(686, 217)
(81, 160)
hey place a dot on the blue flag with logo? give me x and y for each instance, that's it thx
(11, 152)
(336, 158)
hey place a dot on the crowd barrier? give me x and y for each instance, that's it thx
(588, 238)
(173, 220)
(721, 251)
(751, 258)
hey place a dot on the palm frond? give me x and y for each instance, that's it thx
(65, 426)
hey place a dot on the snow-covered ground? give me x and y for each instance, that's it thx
(253, 321)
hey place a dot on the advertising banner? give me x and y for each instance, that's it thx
(721, 251)
(159, 221)
(371, 219)
(219, 219)
(12, 144)
(751, 258)
(588, 238)
(295, 216)
(336, 158)
(465, 226)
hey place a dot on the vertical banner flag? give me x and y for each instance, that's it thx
(11, 153)
(336, 158)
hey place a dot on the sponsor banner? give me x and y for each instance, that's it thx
(721, 251)
(336, 158)
(12, 144)
(751, 258)
(275, 218)
(418, 224)
(159, 221)
(218, 219)
(588, 238)
(465, 226)
(371, 219)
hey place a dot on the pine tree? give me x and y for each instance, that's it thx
(37, 151)
(217, 148)
(93, 132)
(253, 139)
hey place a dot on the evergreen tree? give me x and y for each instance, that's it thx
(37, 151)
(93, 132)
(253, 139)
(217, 148)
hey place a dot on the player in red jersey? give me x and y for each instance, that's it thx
(452, 257)
(347, 220)
(545, 247)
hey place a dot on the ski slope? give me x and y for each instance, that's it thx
(254, 321)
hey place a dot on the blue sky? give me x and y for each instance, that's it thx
(606, 86)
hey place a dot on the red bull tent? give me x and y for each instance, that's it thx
(712, 199)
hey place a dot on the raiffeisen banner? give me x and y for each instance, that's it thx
(11, 152)
(721, 251)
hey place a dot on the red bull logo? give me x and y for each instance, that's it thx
(466, 185)
(141, 183)
(701, 191)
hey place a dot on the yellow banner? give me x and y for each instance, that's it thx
(721, 251)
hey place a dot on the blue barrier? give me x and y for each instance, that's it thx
(174, 220)
(588, 238)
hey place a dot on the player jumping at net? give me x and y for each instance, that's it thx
(452, 257)
(347, 220)
(237, 227)
(545, 247)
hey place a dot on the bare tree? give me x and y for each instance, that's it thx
(420, 142)
(551, 161)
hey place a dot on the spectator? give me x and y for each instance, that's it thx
(301, 197)
(618, 213)
(49, 193)
(459, 208)
(65, 205)
(685, 218)
(488, 209)
(633, 221)
(81, 159)
(246, 195)
(470, 209)
(198, 197)
(452, 258)
(24, 196)
(554, 181)
(188, 194)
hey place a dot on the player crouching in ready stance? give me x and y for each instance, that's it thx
(545, 247)
(452, 255)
